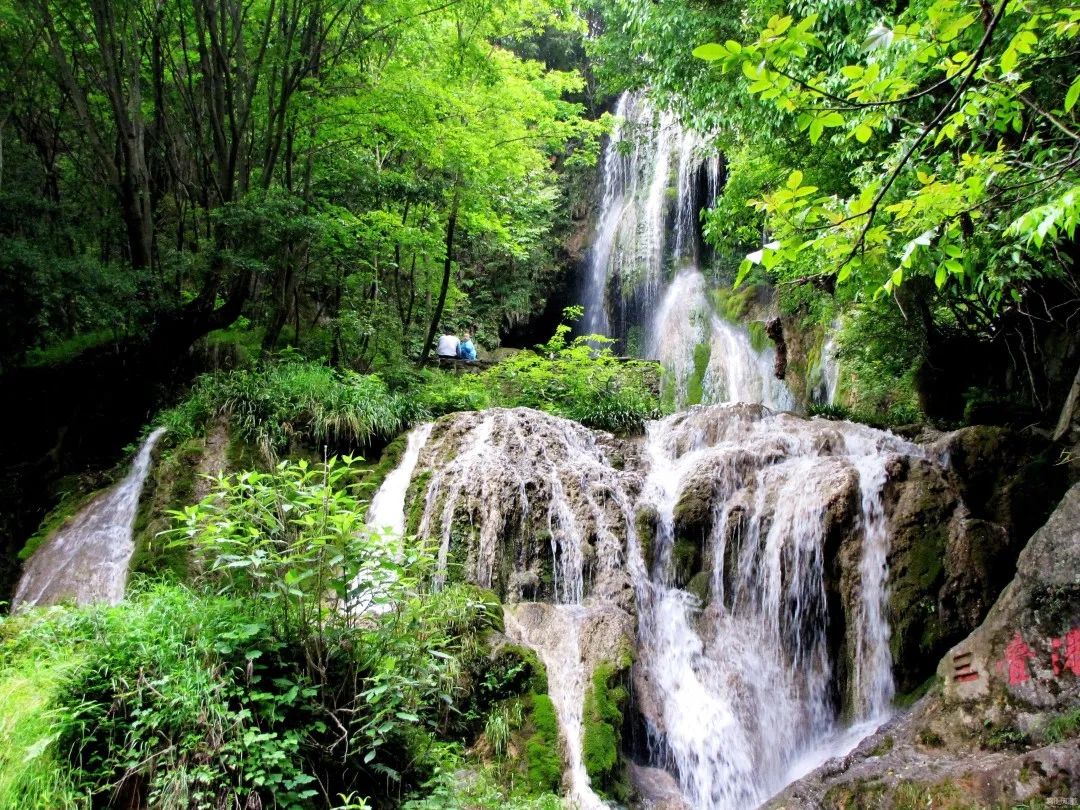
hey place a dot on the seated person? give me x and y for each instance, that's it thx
(466, 349)
(448, 346)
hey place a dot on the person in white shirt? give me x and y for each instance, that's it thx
(448, 346)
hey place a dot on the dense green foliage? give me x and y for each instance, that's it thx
(345, 173)
(308, 663)
(919, 158)
(292, 403)
(281, 404)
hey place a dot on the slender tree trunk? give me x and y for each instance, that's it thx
(436, 316)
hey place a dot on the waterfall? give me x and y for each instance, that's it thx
(387, 508)
(656, 176)
(532, 477)
(736, 674)
(87, 560)
(555, 635)
(828, 368)
(745, 681)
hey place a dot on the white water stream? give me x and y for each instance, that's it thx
(87, 560)
(745, 682)
(387, 509)
(555, 635)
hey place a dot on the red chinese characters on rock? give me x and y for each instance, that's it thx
(1071, 645)
(1017, 654)
(1064, 655)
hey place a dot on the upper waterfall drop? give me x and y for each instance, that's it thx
(87, 560)
(644, 282)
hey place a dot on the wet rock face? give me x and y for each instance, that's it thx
(1001, 730)
(528, 504)
(958, 519)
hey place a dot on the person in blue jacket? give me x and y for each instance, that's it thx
(466, 349)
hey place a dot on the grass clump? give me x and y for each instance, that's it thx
(1063, 726)
(282, 403)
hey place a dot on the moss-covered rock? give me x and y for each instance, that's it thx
(602, 723)
(543, 762)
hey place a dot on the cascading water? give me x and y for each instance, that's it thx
(555, 635)
(87, 560)
(745, 682)
(387, 509)
(656, 177)
(512, 469)
(519, 497)
(736, 677)
(386, 523)
(827, 372)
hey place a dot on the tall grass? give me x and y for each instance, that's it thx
(278, 404)
(31, 776)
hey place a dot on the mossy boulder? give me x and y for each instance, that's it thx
(602, 723)
(543, 763)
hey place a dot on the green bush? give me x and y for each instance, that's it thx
(310, 660)
(579, 379)
(280, 403)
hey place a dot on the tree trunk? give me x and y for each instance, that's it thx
(436, 316)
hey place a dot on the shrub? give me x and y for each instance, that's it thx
(280, 403)
(579, 379)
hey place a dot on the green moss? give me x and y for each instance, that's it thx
(733, 305)
(241, 455)
(943, 795)
(699, 586)
(907, 699)
(686, 559)
(531, 674)
(859, 794)
(602, 720)
(543, 764)
(1004, 737)
(417, 492)
(930, 738)
(759, 337)
(55, 520)
(883, 747)
(170, 487)
(917, 631)
(389, 460)
(694, 390)
(645, 526)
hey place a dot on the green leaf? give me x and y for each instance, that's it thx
(1072, 94)
(795, 179)
(863, 133)
(940, 276)
(1009, 60)
(710, 52)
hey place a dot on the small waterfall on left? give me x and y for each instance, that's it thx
(87, 560)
